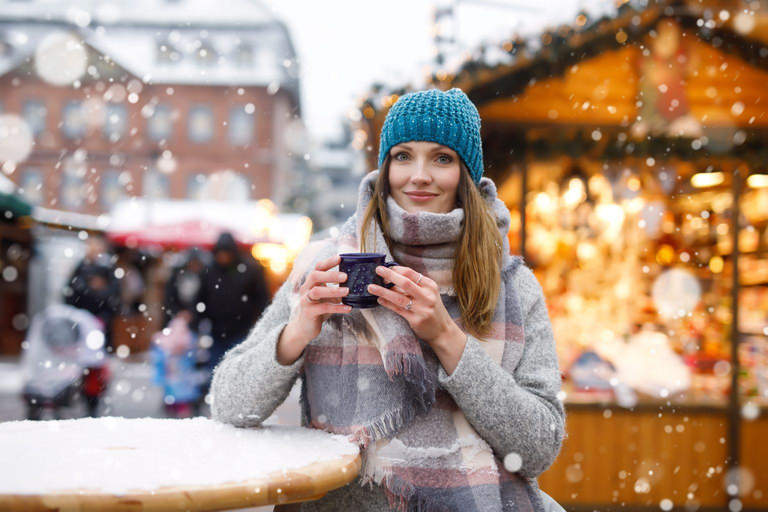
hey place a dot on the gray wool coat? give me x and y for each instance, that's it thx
(514, 413)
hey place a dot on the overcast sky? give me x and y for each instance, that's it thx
(346, 45)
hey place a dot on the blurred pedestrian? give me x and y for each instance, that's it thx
(182, 290)
(95, 288)
(233, 294)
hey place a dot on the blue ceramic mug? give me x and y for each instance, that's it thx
(360, 268)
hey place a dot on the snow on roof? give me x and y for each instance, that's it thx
(145, 12)
(138, 54)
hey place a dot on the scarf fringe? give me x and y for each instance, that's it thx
(392, 421)
(413, 368)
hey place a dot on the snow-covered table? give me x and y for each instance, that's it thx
(162, 464)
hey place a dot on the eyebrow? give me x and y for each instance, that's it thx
(433, 150)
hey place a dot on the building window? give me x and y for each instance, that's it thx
(160, 124)
(241, 124)
(196, 186)
(31, 186)
(35, 114)
(206, 55)
(73, 120)
(113, 186)
(244, 55)
(115, 122)
(156, 184)
(72, 191)
(166, 53)
(200, 124)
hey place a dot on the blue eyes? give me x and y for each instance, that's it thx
(442, 159)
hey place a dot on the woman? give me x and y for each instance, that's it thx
(450, 386)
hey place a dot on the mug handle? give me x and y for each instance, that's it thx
(390, 264)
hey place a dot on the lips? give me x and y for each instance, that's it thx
(420, 194)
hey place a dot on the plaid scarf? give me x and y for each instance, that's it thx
(367, 375)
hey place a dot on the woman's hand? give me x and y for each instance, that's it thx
(427, 315)
(318, 301)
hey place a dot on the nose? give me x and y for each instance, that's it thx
(421, 174)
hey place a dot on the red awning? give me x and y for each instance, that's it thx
(181, 235)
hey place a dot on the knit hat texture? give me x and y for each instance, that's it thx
(444, 117)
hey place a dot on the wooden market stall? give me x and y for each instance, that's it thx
(16, 246)
(632, 152)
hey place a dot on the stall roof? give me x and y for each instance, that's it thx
(171, 222)
(13, 205)
(508, 67)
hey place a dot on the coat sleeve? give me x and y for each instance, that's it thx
(249, 383)
(515, 413)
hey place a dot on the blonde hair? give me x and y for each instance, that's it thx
(476, 275)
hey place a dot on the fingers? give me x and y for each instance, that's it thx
(390, 296)
(320, 277)
(328, 263)
(394, 306)
(327, 292)
(320, 307)
(404, 277)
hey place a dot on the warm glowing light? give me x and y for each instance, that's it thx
(276, 256)
(716, 264)
(665, 255)
(544, 202)
(297, 239)
(758, 181)
(575, 193)
(707, 179)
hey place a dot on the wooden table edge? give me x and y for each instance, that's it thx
(309, 482)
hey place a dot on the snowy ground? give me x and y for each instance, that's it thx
(130, 395)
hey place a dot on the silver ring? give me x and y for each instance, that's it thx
(408, 306)
(310, 298)
(419, 279)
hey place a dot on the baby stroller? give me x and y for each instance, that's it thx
(65, 359)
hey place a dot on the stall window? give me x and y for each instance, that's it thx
(73, 120)
(35, 114)
(160, 124)
(200, 124)
(115, 122)
(241, 125)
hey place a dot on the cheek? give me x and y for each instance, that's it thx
(449, 181)
(397, 178)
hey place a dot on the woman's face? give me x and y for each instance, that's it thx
(424, 177)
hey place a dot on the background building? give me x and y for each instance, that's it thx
(166, 99)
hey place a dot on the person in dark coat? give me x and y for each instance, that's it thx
(95, 288)
(182, 291)
(233, 294)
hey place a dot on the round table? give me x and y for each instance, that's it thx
(164, 464)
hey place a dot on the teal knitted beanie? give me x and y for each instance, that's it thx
(448, 118)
